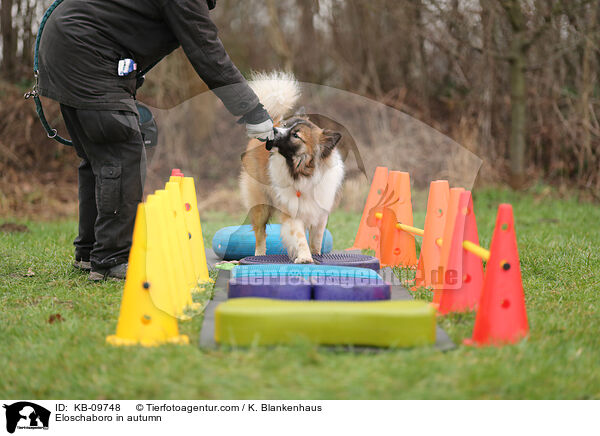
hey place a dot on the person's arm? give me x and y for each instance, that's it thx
(190, 22)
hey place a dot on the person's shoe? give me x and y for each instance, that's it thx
(83, 265)
(116, 272)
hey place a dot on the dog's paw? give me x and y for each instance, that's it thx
(304, 259)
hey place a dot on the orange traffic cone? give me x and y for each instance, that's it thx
(502, 317)
(420, 274)
(397, 246)
(435, 219)
(452, 210)
(367, 236)
(463, 270)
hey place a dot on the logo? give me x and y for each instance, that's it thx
(26, 415)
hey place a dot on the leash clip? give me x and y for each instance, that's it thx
(34, 91)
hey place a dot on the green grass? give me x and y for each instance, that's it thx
(558, 243)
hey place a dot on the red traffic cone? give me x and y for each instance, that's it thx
(502, 317)
(463, 270)
(176, 172)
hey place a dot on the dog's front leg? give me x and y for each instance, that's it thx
(259, 216)
(316, 233)
(294, 240)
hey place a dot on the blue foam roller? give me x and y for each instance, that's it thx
(307, 271)
(237, 242)
(350, 289)
(279, 288)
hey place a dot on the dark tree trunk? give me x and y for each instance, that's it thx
(9, 40)
(518, 114)
(518, 85)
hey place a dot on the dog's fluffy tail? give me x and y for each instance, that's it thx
(277, 91)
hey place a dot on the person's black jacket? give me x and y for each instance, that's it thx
(84, 40)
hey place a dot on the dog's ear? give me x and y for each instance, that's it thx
(329, 140)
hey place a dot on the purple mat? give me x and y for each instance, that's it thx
(349, 289)
(341, 259)
(280, 288)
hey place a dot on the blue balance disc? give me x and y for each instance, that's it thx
(350, 289)
(319, 282)
(280, 288)
(342, 259)
(307, 271)
(237, 242)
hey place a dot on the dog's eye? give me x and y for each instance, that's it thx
(295, 135)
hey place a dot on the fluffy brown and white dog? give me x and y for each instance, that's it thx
(298, 174)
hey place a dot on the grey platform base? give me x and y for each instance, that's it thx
(207, 334)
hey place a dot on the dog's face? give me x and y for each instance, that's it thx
(303, 145)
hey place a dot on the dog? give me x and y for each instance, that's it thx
(298, 174)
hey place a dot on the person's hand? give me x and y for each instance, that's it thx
(259, 124)
(262, 131)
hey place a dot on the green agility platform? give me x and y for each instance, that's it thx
(398, 293)
(397, 324)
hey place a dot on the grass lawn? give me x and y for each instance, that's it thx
(560, 262)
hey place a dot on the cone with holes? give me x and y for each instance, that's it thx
(182, 235)
(397, 246)
(140, 321)
(463, 270)
(174, 260)
(501, 317)
(160, 265)
(194, 228)
(430, 258)
(438, 280)
(367, 236)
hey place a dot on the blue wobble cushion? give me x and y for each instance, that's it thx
(308, 281)
(279, 288)
(306, 271)
(350, 289)
(237, 242)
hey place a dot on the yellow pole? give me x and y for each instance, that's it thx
(405, 227)
(410, 229)
(477, 250)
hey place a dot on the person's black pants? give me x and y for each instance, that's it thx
(111, 178)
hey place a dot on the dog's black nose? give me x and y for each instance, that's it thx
(269, 144)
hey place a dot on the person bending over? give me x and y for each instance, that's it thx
(89, 56)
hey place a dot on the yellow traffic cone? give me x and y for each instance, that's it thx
(140, 321)
(159, 263)
(174, 194)
(194, 228)
(174, 257)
